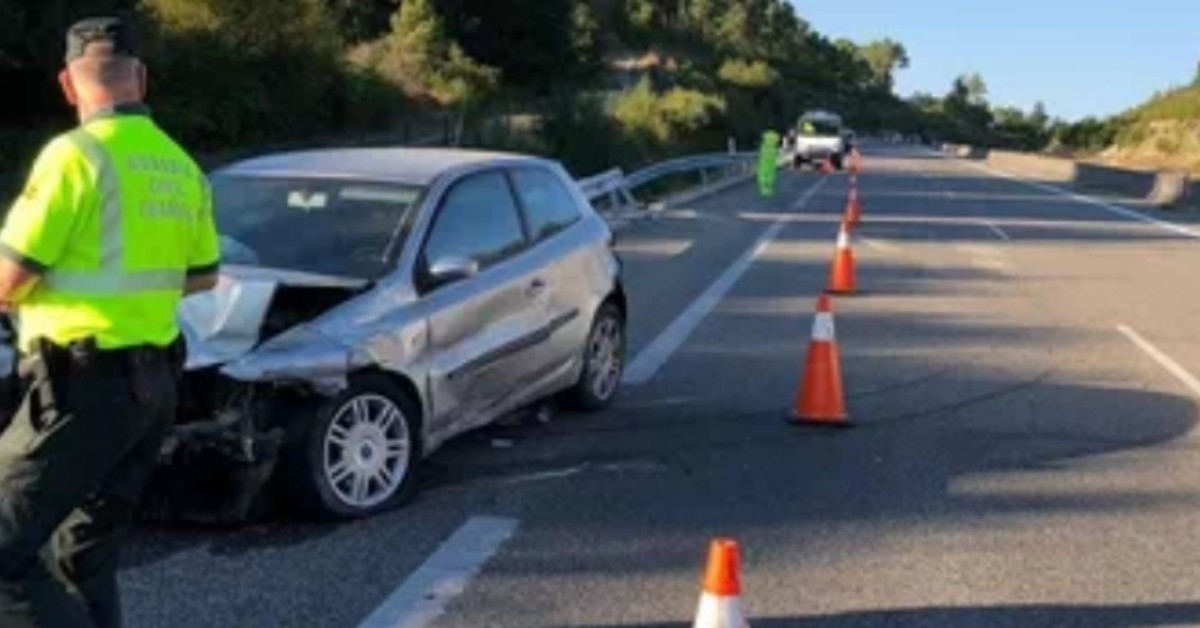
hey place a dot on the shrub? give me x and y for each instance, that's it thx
(226, 72)
(419, 57)
(579, 132)
(656, 119)
(746, 74)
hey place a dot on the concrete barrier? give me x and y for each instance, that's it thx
(1034, 166)
(1166, 189)
(1191, 195)
(1171, 189)
(1106, 179)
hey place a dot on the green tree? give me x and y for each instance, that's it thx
(363, 20)
(586, 45)
(756, 75)
(421, 58)
(31, 49)
(226, 72)
(885, 57)
(975, 87)
(1038, 117)
(536, 44)
(641, 13)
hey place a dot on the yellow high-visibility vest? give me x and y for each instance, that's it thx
(114, 217)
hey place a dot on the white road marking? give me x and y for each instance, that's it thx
(646, 365)
(1087, 200)
(989, 264)
(654, 247)
(997, 230)
(542, 476)
(1163, 359)
(979, 250)
(444, 575)
(881, 245)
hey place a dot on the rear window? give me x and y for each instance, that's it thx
(326, 226)
(814, 128)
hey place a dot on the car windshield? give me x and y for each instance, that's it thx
(327, 226)
(815, 127)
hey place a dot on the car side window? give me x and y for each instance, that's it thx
(478, 220)
(549, 206)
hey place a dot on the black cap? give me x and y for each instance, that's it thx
(118, 37)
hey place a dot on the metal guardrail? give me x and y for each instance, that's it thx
(686, 164)
(614, 188)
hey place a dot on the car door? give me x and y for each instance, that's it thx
(484, 329)
(550, 213)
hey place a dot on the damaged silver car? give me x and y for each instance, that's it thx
(374, 303)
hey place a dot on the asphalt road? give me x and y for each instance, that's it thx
(1018, 365)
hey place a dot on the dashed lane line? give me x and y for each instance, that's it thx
(650, 361)
(1080, 198)
(997, 230)
(881, 245)
(1164, 360)
(424, 596)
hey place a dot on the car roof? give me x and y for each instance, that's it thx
(413, 166)
(821, 116)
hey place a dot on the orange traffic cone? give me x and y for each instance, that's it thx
(826, 167)
(842, 275)
(720, 602)
(853, 206)
(820, 400)
(855, 160)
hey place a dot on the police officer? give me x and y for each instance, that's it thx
(114, 226)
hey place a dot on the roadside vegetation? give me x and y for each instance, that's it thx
(1162, 133)
(595, 83)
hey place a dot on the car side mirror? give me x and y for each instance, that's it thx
(451, 269)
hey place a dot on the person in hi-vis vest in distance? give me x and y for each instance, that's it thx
(113, 228)
(768, 163)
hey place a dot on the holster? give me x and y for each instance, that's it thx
(148, 369)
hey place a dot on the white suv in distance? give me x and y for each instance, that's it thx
(819, 135)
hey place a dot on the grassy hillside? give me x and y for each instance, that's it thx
(1163, 133)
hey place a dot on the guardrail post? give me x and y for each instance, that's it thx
(630, 201)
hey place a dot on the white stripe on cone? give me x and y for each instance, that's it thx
(823, 330)
(843, 242)
(720, 612)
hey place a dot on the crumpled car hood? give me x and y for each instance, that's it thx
(225, 324)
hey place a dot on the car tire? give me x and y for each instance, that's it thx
(359, 454)
(603, 361)
(836, 161)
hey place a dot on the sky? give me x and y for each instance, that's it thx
(1080, 57)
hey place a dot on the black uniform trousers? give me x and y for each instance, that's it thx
(74, 461)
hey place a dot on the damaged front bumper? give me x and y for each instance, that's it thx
(217, 467)
(240, 404)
